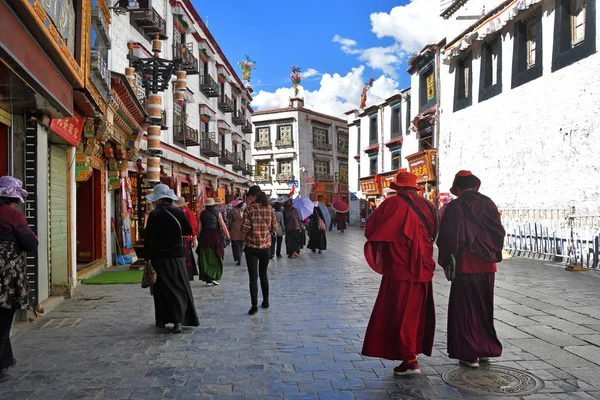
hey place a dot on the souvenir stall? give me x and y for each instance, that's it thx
(423, 165)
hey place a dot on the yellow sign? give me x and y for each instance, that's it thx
(430, 87)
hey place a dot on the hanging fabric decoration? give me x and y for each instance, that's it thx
(295, 76)
(247, 65)
(363, 96)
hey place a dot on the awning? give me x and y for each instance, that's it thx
(493, 22)
(262, 156)
(285, 155)
(322, 158)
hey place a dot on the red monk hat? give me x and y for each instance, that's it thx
(405, 179)
(462, 174)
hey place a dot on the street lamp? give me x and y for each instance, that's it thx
(156, 74)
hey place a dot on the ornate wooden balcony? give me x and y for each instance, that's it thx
(266, 177)
(247, 169)
(226, 157)
(186, 136)
(247, 128)
(209, 86)
(189, 61)
(150, 22)
(209, 146)
(225, 104)
(238, 118)
(240, 163)
(280, 143)
(321, 146)
(324, 177)
(263, 145)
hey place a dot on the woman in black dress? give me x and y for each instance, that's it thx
(163, 240)
(317, 231)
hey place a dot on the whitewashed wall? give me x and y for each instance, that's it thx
(535, 146)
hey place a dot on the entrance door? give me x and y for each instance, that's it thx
(89, 216)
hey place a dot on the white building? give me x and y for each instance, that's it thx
(380, 139)
(518, 95)
(298, 147)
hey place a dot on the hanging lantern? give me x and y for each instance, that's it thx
(130, 75)
(154, 139)
(153, 168)
(181, 83)
(155, 106)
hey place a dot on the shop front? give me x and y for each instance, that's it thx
(423, 165)
(323, 192)
(371, 190)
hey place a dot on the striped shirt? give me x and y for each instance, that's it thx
(259, 222)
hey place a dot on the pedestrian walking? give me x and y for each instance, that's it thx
(235, 230)
(317, 231)
(16, 239)
(470, 244)
(189, 241)
(399, 246)
(332, 213)
(293, 230)
(276, 245)
(212, 233)
(259, 225)
(340, 221)
(164, 247)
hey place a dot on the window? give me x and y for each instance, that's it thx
(373, 166)
(322, 170)
(222, 143)
(373, 130)
(426, 90)
(140, 92)
(177, 115)
(261, 172)
(396, 122)
(490, 81)
(343, 172)
(463, 84)
(321, 139)
(574, 32)
(358, 140)
(205, 70)
(396, 162)
(408, 121)
(426, 142)
(284, 134)
(263, 136)
(527, 49)
(342, 142)
(285, 169)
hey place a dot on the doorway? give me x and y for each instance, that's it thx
(89, 220)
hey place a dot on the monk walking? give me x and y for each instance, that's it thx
(470, 244)
(399, 246)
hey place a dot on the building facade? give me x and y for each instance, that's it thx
(517, 86)
(300, 151)
(381, 138)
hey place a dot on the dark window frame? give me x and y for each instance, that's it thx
(425, 105)
(291, 131)
(563, 53)
(520, 73)
(399, 152)
(487, 92)
(373, 166)
(397, 118)
(371, 130)
(466, 101)
(358, 135)
(408, 121)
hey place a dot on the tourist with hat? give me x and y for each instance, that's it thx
(163, 242)
(189, 241)
(16, 239)
(470, 244)
(400, 235)
(212, 233)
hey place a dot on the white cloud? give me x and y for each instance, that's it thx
(412, 26)
(348, 45)
(309, 73)
(386, 59)
(336, 94)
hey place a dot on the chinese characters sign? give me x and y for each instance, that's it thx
(423, 165)
(387, 179)
(430, 87)
(69, 128)
(369, 186)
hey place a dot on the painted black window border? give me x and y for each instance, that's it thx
(486, 93)
(563, 54)
(425, 105)
(520, 74)
(371, 159)
(371, 118)
(467, 101)
(398, 111)
(407, 116)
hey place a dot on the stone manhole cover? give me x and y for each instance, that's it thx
(494, 380)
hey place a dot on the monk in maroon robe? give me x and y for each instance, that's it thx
(400, 247)
(470, 242)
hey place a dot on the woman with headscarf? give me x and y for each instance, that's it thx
(16, 239)
(189, 242)
(163, 243)
(212, 233)
(317, 231)
(259, 225)
(293, 238)
(235, 230)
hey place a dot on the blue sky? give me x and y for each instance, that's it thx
(372, 39)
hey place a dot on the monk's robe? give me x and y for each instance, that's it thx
(399, 247)
(472, 232)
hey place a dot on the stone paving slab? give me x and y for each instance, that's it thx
(103, 344)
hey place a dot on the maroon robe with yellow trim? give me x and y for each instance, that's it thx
(471, 230)
(399, 247)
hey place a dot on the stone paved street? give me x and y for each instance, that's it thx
(102, 344)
